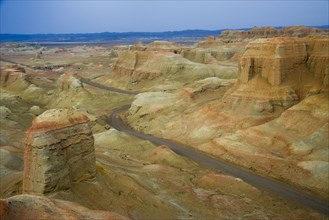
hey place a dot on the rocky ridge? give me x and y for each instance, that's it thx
(135, 66)
(270, 32)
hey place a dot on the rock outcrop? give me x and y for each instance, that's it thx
(150, 65)
(209, 42)
(40, 207)
(163, 46)
(214, 51)
(280, 72)
(67, 82)
(13, 75)
(59, 151)
(270, 32)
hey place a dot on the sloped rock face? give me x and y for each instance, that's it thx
(213, 51)
(149, 65)
(40, 207)
(280, 72)
(67, 82)
(129, 63)
(13, 75)
(209, 42)
(59, 151)
(269, 32)
(163, 46)
(292, 147)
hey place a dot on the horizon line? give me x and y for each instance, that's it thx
(123, 32)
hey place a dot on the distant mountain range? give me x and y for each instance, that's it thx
(107, 36)
(114, 36)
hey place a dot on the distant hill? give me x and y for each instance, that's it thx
(118, 37)
(107, 36)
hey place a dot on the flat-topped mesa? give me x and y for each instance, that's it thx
(59, 151)
(270, 32)
(281, 71)
(279, 58)
(272, 59)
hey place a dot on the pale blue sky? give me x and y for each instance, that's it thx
(50, 16)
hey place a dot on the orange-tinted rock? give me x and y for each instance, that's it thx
(280, 72)
(273, 59)
(4, 208)
(59, 151)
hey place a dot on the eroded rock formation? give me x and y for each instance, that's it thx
(163, 46)
(280, 72)
(59, 151)
(274, 120)
(269, 32)
(149, 65)
(212, 50)
(67, 82)
(12, 74)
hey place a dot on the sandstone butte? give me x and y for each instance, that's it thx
(282, 71)
(59, 151)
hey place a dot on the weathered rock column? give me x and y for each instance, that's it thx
(59, 151)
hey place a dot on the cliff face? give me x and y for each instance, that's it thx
(281, 72)
(269, 32)
(273, 59)
(59, 151)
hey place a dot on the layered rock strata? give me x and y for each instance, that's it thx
(270, 32)
(149, 65)
(280, 72)
(59, 151)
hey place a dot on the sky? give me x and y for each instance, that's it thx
(92, 16)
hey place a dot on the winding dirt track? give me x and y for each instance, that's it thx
(220, 165)
(258, 181)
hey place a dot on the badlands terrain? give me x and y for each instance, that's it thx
(254, 100)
